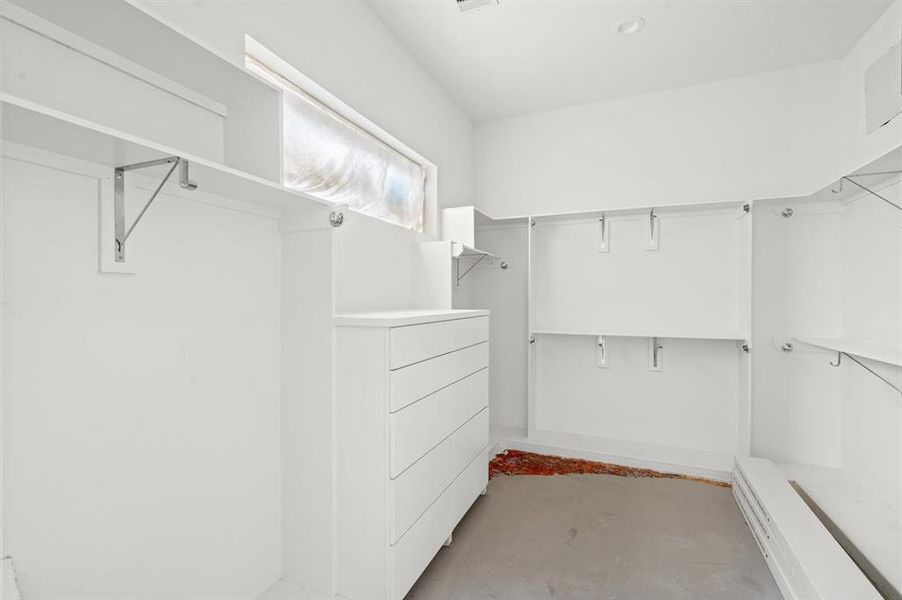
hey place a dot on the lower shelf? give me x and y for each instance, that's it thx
(695, 463)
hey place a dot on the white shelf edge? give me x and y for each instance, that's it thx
(268, 193)
(639, 209)
(730, 336)
(884, 354)
(470, 251)
(400, 318)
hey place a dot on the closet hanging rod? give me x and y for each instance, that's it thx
(838, 362)
(867, 189)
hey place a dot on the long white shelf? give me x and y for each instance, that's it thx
(32, 124)
(464, 250)
(683, 335)
(122, 30)
(885, 354)
(395, 318)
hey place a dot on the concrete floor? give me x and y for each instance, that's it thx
(599, 537)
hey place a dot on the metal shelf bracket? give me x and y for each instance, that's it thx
(654, 230)
(838, 362)
(604, 234)
(601, 353)
(655, 353)
(122, 234)
(839, 185)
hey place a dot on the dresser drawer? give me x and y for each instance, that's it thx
(411, 383)
(414, 551)
(418, 342)
(467, 441)
(469, 485)
(420, 426)
(418, 487)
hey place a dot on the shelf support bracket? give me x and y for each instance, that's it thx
(655, 348)
(122, 234)
(604, 231)
(460, 275)
(838, 188)
(601, 353)
(839, 356)
(654, 230)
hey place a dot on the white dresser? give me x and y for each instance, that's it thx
(412, 441)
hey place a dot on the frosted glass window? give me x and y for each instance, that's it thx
(327, 156)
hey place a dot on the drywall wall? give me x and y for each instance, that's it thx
(345, 48)
(758, 136)
(140, 412)
(796, 291)
(502, 291)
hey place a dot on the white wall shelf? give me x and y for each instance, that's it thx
(683, 335)
(32, 124)
(125, 35)
(884, 354)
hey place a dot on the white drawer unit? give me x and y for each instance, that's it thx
(412, 434)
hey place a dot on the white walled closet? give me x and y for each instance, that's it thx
(692, 281)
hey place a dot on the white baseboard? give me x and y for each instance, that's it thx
(693, 463)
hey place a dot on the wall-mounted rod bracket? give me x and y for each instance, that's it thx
(655, 353)
(122, 234)
(839, 185)
(601, 352)
(654, 230)
(838, 362)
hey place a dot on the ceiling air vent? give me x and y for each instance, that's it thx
(465, 5)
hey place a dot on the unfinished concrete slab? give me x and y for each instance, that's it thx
(599, 536)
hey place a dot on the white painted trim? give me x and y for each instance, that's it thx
(64, 37)
(693, 463)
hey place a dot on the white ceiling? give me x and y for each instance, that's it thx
(525, 56)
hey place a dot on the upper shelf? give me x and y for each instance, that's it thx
(458, 250)
(31, 124)
(885, 354)
(132, 32)
(400, 318)
(683, 335)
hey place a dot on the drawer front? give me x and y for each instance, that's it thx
(414, 551)
(417, 381)
(418, 487)
(418, 342)
(419, 427)
(469, 485)
(469, 440)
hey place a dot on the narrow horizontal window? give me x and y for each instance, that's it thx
(326, 155)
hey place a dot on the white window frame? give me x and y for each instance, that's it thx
(279, 66)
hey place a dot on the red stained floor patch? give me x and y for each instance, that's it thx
(515, 462)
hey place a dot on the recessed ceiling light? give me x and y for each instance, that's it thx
(630, 26)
